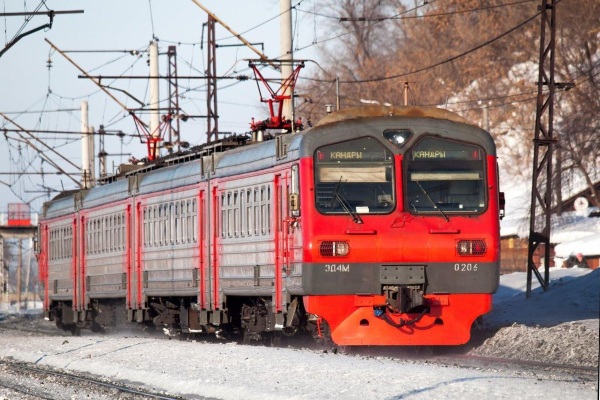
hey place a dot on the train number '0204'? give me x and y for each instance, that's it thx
(465, 267)
(337, 267)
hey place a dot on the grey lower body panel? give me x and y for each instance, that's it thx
(368, 278)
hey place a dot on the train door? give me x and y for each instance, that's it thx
(213, 277)
(281, 239)
(75, 273)
(129, 256)
(136, 275)
(203, 260)
(43, 265)
(81, 237)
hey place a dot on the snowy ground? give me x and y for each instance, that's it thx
(560, 325)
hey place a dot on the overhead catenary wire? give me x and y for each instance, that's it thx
(402, 15)
(437, 64)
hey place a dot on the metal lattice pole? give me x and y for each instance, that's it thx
(541, 190)
(211, 97)
(174, 128)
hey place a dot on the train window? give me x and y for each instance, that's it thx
(256, 213)
(113, 231)
(153, 226)
(444, 176)
(100, 235)
(123, 229)
(104, 234)
(177, 227)
(243, 219)
(229, 225)
(61, 244)
(268, 218)
(161, 224)
(165, 225)
(189, 221)
(194, 221)
(263, 211)
(249, 213)
(146, 233)
(223, 216)
(356, 176)
(170, 236)
(236, 214)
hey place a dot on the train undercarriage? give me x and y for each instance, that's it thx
(246, 319)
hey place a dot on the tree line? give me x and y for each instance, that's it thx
(472, 57)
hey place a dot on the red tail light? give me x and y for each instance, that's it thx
(476, 247)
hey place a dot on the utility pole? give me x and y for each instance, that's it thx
(543, 142)
(3, 274)
(212, 124)
(28, 274)
(174, 117)
(154, 100)
(337, 93)
(87, 150)
(102, 153)
(285, 48)
(19, 272)
(486, 118)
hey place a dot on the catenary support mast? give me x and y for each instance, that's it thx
(285, 26)
(543, 142)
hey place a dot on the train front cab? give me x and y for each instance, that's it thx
(403, 233)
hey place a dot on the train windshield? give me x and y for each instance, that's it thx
(354, 177)
(445, 176)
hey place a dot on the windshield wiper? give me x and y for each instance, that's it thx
(344, 203)
(432, 202)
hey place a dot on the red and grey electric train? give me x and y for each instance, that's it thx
(377, 226)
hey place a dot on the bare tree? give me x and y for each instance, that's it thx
(469, 54)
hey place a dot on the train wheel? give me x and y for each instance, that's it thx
(96, 327)
(275, 339)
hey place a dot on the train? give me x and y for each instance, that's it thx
(377, 226)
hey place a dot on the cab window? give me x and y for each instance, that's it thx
(355, 176)
(445, 175)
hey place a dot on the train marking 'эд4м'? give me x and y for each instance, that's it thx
(377, 226)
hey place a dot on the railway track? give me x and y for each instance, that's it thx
(33, 381)
(457, 357)
(446, 356)
(479, 360)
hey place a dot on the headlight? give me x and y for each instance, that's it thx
(334, 248)
(476, 247)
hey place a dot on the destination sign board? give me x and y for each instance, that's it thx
(429, 154)
(361, 155)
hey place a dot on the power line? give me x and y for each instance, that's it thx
(105, 133)
(486, 43)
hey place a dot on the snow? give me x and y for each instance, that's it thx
(559, 325)
(587, 245)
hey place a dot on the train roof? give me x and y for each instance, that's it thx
(391, 111)
(194, 166)
(178, 175)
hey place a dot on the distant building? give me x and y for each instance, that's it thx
(574, 231)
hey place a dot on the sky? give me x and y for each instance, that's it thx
(28, 86)
(560, 325)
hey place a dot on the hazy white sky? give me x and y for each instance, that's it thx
(27, 84)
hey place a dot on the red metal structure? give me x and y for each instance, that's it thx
(19, 214)
(276, 121)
